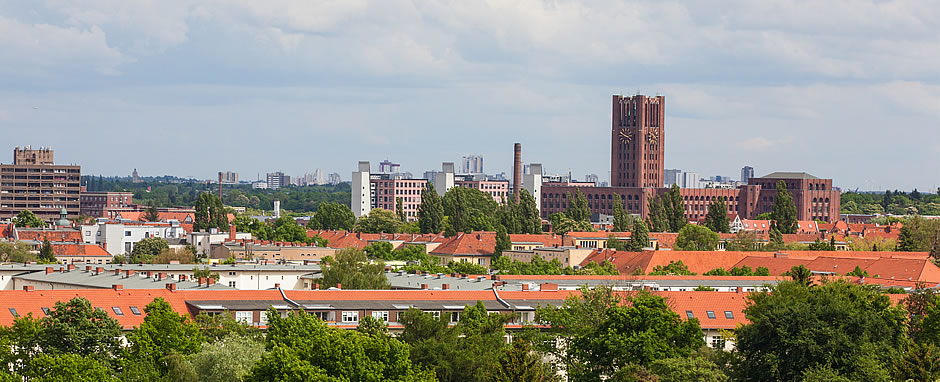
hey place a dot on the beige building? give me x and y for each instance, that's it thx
(33, 182)
(248, 250)
(568, 256)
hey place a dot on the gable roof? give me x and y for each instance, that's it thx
(471, 244)
(86, 250)
(58, 235)
(789, 175)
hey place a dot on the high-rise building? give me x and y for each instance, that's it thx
(335, 179)
(672, 176)
(691, 180)
(591, 178)
(34, 182)
(276, 180)
(747, 172)
(638, 137)
(228, 177)
(471, 164)
(387, 167)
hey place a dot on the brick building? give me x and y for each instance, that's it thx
(636, 168)
(106, 204)
(497, 189)
(387, 188)
(34, 182)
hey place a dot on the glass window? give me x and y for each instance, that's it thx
(350, 316)
(135, 310)
(434, 313)
(383, 316)
(45, 310)
(718, 342)
(14, 313)
(711, 314)
(117, 311)
(729, 315)
(264, 317)
(689, 314)
(454, 316)
(244, 317)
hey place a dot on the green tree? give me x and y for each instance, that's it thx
(46, 255)
(162, 333)
(400, 209)
(681, 369)
(286, 229)
(562, 224)
(333, 216)
(640, 237)
(74, 327)
(521, 363)
(67, 367)
(229, 359)
(18, 252)
(431, 211)
(205, 272)
(801, 275)
(378, 221)
(27, 218)
(302, 348)
(353, 270)
(219, 327)
(604, 337)
(145, 250)
(616, 244)
(469, 210)
(151, 214)
(658, 221)
(743, 241)
(503, 242)
(578, 209)
(674, 268)
(530, 221)
(675, 210)
(717, 217)
(852, 329)
(381, 250)
(919, 235)
(696, 238)
(784, 210)
(621, 221)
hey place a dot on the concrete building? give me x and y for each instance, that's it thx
(228, 177)
(361, 190)
(387, 167)
(334, 179)
(106, 204)
(444, 180)
(203, 241)
(497, 189)
(118, 238)
(691, 180)
(747, 172)
(34, 182)
(591, 178)
(471, 164)
(672, 176)
(532, 182)
(276, 180)
(260, 185)
(386, 189)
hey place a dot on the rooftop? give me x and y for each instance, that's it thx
(789, 175)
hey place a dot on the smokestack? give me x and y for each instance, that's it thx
(517, 170)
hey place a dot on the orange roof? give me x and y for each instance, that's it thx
(897, 268)
(65, 235)
(474, 244)
(6, 229)
(67, 250)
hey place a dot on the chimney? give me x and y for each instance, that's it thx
(231, 232)
(171, 287)
(445, 286)
(339, 286)
(525, 287)
(739, 290)
(424, 286)
(129, 273)
(117, 287)
(517, 170)
(209, 281)
(277, 286)
(29, 288)
(182, 278)
(202, 280)
(88, 268)
(549, 286)
(316, 286)
(71, 267)
(161, 276)
(49, 270)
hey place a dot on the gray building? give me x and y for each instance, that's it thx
(747, 172)
(672, 176)
(276, 180)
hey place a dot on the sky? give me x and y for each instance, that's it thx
(848, 90)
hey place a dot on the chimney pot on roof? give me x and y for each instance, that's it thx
(739, 290)
(548, 286)
(202, 280)
(339, 286)
(277, 286)
(88, 268)
(171, 287)
(49, 270)
(117, 271)
(445, 286)
(71, 267)
(316, 286)
(117, 287)
(210, 281)
(525, 287)
(29, 288)
(424, 286)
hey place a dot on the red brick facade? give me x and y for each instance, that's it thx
(637, 141)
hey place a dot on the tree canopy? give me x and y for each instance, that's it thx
(696, 238)
(27, 218)
(784, 210)
(353, 270)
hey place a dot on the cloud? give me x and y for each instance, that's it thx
(762, 144)
(37, 49)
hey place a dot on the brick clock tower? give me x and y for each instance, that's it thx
(637, 139)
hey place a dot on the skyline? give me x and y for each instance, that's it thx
(841, 91)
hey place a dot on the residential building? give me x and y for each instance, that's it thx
(276, 180)
(471, 164)
(747, 172)
(387, 167)
(691, 180)
(119, 238)
(334, 179)
(257, 250)
(497, 189)
(108, 204)
(260, 185)
(386, 189)
(34, 182)
(228, 177)
(672, 176)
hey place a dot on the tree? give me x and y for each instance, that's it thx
(620, 216)
(800, 275)
(381, 250)
(286, 229)
(615, 244)
(74, 327)
(674, 268)
(696, 238)
(604, 336)
(562, 224)
(530, 221)
(919, 235)
(145, 250)
(578, 209)
(333, 216)
(162, 333)
(431, 211)
(353, 270)
(46, 255)
(675, 210)
(743, 241)
(640, 237)
(302, 348)
(521, 363)
(503, 242)
(151, 214)
(852, 329)
(67, 367)
(784, 210)
(717, 217)
(469, 209)
(681, 369)
(400, 209)
(378, 221)
(205, 272)
(210, 213)
(181, 255)
(18, 252)
(27, 218)
(229, 359)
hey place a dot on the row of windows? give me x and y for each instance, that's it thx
(711, 314)
(117, 311)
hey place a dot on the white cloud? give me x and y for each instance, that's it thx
(39, 48)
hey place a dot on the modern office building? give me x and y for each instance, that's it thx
(672, 176)
(276, 180)
(228, 177)
(747, 172)
(106, 204)
(471, 164)
(34, 182)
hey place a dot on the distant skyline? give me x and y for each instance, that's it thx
(841, 90)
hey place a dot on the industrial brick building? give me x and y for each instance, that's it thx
(34, 182)
(636, 168)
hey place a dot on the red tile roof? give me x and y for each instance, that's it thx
(86, 250)
(65, 235)
(473, 244)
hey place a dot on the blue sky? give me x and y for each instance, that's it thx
(847, 90)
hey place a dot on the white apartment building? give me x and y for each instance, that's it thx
(118, 238)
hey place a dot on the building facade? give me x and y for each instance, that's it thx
(471, 164)
(747, 172)
(637, 140)
(228, 177)
(34, 182)
(276, 180)
(106, 204)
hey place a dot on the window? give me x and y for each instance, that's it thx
(117, 311)
(231, 273)
(729, 315)
(711, 314)
(323, 316)
(127, 233)
(718, 342)
(350, 316)
(135, 310)
(45, 310)
(383, 316)
(454, 316)
(14, 313)
(264, 317)
(434, 313)
(244, 317)
(231, 284)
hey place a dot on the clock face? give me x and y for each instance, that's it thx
(625, 135)
(653, 136)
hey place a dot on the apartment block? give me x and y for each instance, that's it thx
(34, 182)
